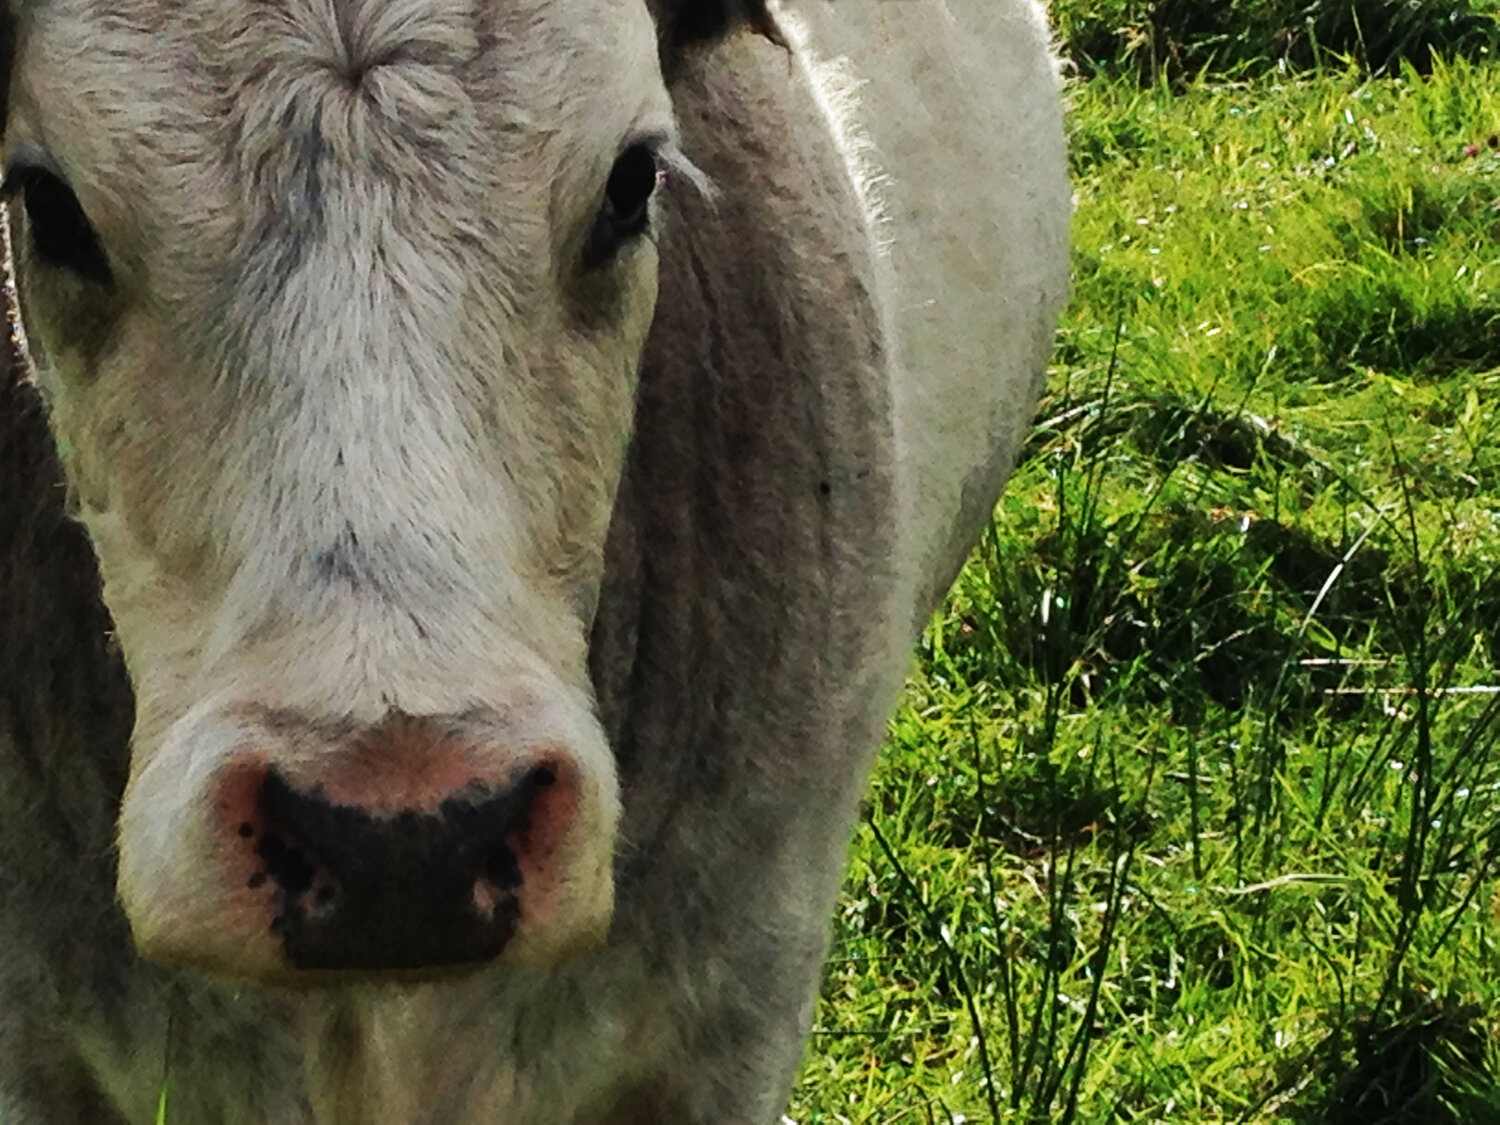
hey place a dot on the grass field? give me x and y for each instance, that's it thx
(1191, 811)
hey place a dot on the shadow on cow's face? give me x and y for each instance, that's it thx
(338, 307)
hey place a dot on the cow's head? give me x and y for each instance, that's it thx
(338, 306)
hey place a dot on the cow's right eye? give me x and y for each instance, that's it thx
(625, 210)
(61, 233)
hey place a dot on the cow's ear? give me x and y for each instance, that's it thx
(685, 24)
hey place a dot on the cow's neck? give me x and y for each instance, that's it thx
(754, 522)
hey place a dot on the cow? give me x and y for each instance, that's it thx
(471, 475)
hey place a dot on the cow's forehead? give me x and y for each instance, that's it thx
(135, 96)
(345, 34)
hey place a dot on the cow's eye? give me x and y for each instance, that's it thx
(626, 209)
(61, 233)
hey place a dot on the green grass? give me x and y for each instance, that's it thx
(1177, 40)
(1191, 810)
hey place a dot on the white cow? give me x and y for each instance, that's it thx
(520, 441)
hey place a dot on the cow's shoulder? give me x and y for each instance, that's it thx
(951, 116)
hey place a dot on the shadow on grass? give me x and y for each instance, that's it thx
(1421, 1065)
(1355, 326)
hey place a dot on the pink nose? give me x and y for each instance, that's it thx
(403, 849)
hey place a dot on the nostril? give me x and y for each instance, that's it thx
(287, 864)
(503, 869)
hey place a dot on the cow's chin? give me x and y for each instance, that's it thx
(263, 846)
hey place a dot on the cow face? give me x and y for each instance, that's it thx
(338, 307)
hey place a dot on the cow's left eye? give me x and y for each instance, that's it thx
(60, 231)
(626, 209)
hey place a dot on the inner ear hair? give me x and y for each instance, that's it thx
(682, 24)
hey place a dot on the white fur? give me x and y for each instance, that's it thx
(955, 125)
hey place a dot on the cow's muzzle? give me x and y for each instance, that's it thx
(410, 847)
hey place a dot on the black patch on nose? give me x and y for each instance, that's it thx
(371, 891)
